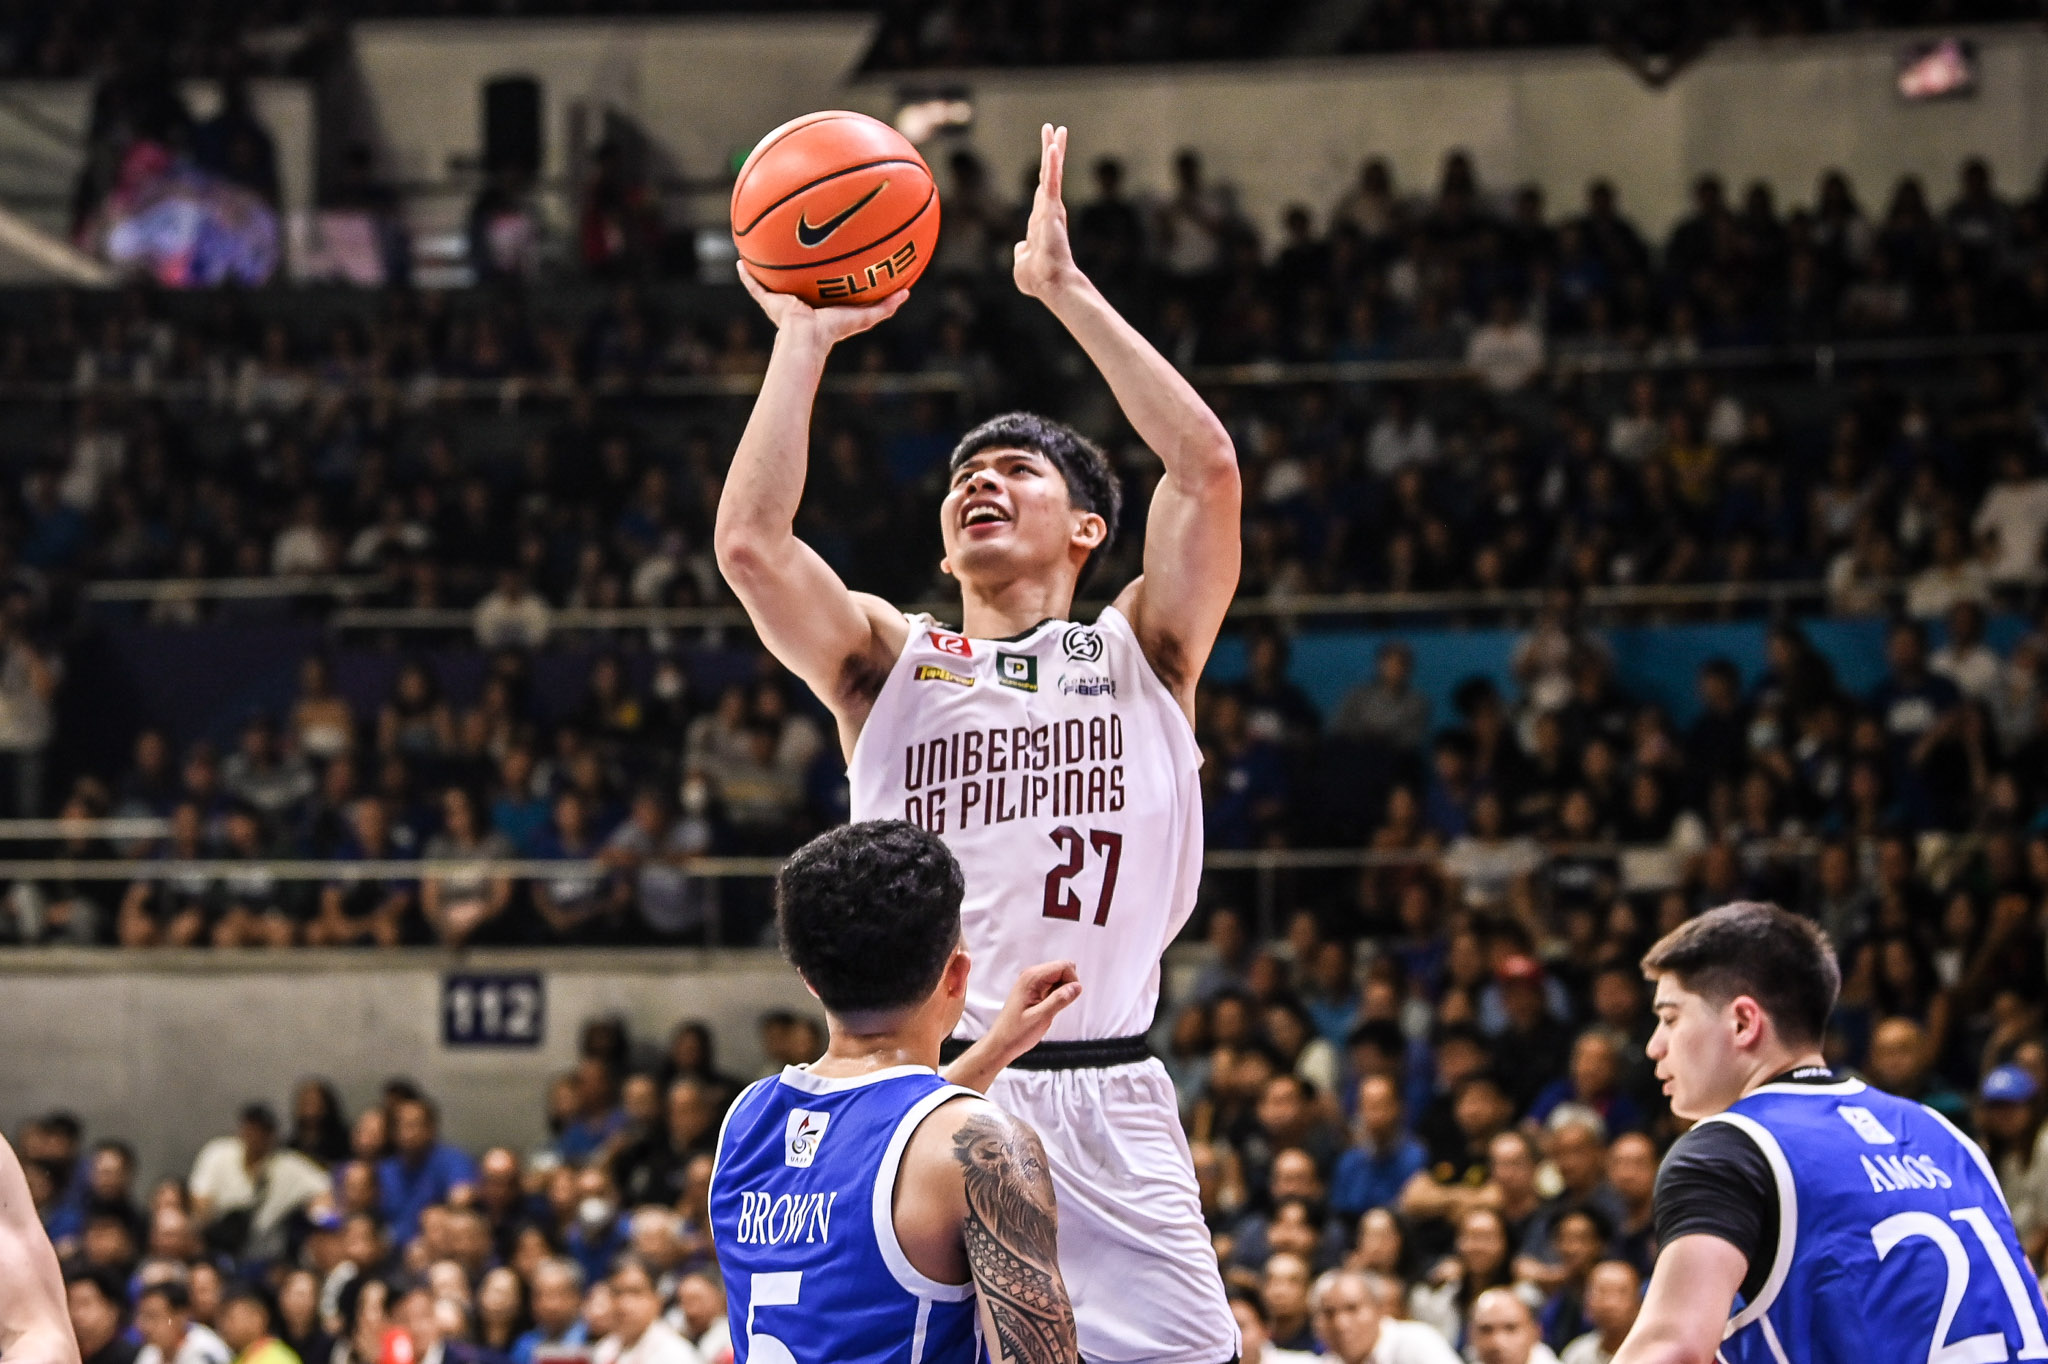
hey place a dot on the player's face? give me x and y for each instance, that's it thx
(1007, 516)
(1693, 1047)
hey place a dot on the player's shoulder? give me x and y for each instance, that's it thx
(1717, 1149)
(968, 1135)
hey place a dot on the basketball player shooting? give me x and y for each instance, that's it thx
(1057, 759)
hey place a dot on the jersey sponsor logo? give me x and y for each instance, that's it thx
(1082, 643)
(946, 643)
(1867, 1125)
(783, 1219)
(1017, 670)
(1889, 1174)
(1086, 685)
(932, 672)
(801, 1136)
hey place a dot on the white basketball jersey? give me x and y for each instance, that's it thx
(1066, 779)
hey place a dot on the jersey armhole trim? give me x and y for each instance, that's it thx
(1184, 732)
(884, 1207)
(1976, 1154)
(718, 1150)
(917, 621)
(1788, 1217)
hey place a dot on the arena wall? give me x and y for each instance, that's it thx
(165, 1048)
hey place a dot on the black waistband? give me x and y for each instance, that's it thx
(1097, 1054)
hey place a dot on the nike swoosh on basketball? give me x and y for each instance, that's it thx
(806, 235)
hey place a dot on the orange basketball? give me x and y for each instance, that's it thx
(835, 207)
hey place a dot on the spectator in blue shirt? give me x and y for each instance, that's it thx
(597, 1235)
(1593, 1081)
(599, 1118)
(1922, 713)
(1372, 1173)
(558, 1328)
(425, 1171)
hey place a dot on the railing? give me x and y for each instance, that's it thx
(229, 589)
(508, 391)
(1821, 357)
(1639, 867)
(570, 620)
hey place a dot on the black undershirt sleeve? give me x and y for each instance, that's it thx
(1715, 1182)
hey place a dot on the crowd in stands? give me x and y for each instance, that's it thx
(496, 445)
(1441, 1136)
(299, 37)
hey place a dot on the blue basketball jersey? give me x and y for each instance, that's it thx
(802, 1214)
(1894, 1242)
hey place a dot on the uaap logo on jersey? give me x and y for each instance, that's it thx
(1082, 643)
(1018, 671)
(1866, 1124)
(801, 1136)
(948, 643)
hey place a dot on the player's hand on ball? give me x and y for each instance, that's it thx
(830, 325)
(1045, 259)
(1037, 998)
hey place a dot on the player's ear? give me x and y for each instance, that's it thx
(946, 564)
(1090, 529)
(958, 967)
(1749, 1018)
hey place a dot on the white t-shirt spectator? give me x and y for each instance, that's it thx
(1393, 446)
(1976, 671)
(301, 549)
(2017, 513)
(200, 1346)
(1487, 868)
(659, 1344)
(1936, 588)
(505, 620)
(1507, 355)
(1586, 1350)
(220, 1176)
(714, 1346)
(25, 716)
(1410, 1342)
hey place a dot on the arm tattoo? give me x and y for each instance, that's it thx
(1011, 1239)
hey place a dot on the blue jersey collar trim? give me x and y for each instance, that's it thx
(800, 1077)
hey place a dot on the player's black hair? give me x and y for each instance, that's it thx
(1382, 1035)
(177, 1297)
(1783, 962)
(628, 1259)
(1092, 484)
(104, 1281)
(248, 1290)
(869, 913)
(1603, 1225)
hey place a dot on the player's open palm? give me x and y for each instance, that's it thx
(830, 325)
(1044, 257)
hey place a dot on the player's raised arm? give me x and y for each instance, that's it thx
(1685, 1308)
(829, 636)
(35, 1325)
(1191, 531)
